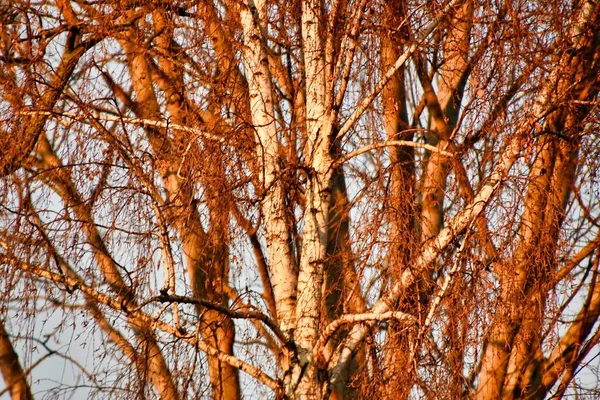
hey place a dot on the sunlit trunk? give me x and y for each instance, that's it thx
(11, 369)
(316, 218)
(402, 206)
(508, 366)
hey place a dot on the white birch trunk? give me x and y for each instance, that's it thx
(281, 265)
(314, 235)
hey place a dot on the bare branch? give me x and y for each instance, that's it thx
(390, 143)
(245, 314)
(348, 319)
(128, 120)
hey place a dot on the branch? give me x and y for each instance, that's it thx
(563, 356)
(408, 319)
(128, 120)
(347, 48)
(389, 143)
(50, 353)
(578, 258)
(246, 314)
(433, 248)
(12, 371)
(438, 299)
(262, 330)
(92, 306)
(576, 366)
(431, 251)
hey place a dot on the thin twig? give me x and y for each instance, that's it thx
(390, 143)
(439, 296)
(129, 120)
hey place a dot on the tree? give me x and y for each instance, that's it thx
(305, 199)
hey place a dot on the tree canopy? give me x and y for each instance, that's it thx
(300, 199)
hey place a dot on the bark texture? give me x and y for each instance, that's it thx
(311, 199)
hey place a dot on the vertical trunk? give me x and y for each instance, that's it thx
(207, 265)
(342, 291)
(401, 199)
(444, 109)
(515, 276)
(314, 235)
(402, 176)
(273, 207)
(524, 369)
(534, 381)
(207, 255)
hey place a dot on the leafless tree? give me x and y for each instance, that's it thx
(301, 199)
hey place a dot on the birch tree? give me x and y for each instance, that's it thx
(308, 200)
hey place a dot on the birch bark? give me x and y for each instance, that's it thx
(314, 234)
(277, 233)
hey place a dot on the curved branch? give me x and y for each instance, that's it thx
(128, 120)
(408, 319)
(246, 314)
